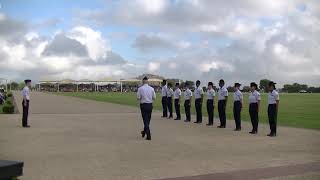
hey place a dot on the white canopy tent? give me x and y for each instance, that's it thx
(97, 83)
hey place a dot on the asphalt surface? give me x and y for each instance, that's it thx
(72, 139)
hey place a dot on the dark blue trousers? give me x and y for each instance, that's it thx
(198, 104)
(146, 111)
(25, 114)
(272, 115)
(164, 102)
(254, 115)
(210, 110)
(222, 112)
(187, 107)
(237, 113)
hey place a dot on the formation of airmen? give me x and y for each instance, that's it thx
(146, 95)
(169, 95)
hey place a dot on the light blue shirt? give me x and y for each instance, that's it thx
(164, 91)
(273, 97)
(237, 96)
(177, 93)
(254, 97)
(26, 92)
(187, 94)
(169, 92)
(210, 94)
(222, 93)
(146, 94)
(198, 92)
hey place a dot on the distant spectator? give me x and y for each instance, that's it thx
(1, 97)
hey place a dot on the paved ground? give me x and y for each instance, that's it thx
(72, 139)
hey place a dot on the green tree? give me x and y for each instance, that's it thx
(264, 84)
(246, 89)
(14, 86)
(204, 88)
(295, 87)
(230, 89)
(191, 84)
(21, 85)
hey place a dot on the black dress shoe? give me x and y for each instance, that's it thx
(253, 132)
(272, 135)
(209, 124)
(143, 134)
(221, 126)
(186, 120)
(148, 138)
(177, 119)
(27, 126)
(170, 117)
(237, 129)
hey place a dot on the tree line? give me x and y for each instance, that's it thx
(263, 85)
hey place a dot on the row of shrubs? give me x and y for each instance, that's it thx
(8, 107)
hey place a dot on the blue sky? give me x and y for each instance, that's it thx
(188, 39)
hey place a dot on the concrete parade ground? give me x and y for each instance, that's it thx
(74, 139)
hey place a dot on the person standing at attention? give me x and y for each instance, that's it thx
(187, 102)
(25, 103)
(177, 95)
(164, 100)
(273, 106)
(146, 96)
(198, 95)
(237, 106)
(222, 103)
(254, 100)
(169, 98)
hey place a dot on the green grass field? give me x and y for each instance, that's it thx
(296, 110)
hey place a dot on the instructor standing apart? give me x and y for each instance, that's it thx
(25, 103)
(146, 96)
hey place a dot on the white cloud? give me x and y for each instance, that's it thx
(237, 40)
(97, 46)
(214, 65)
(172, 65)
(60, 56)
(152, 6)
(154, 42)
(153, 66)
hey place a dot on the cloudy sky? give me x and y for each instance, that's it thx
(238, 40)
